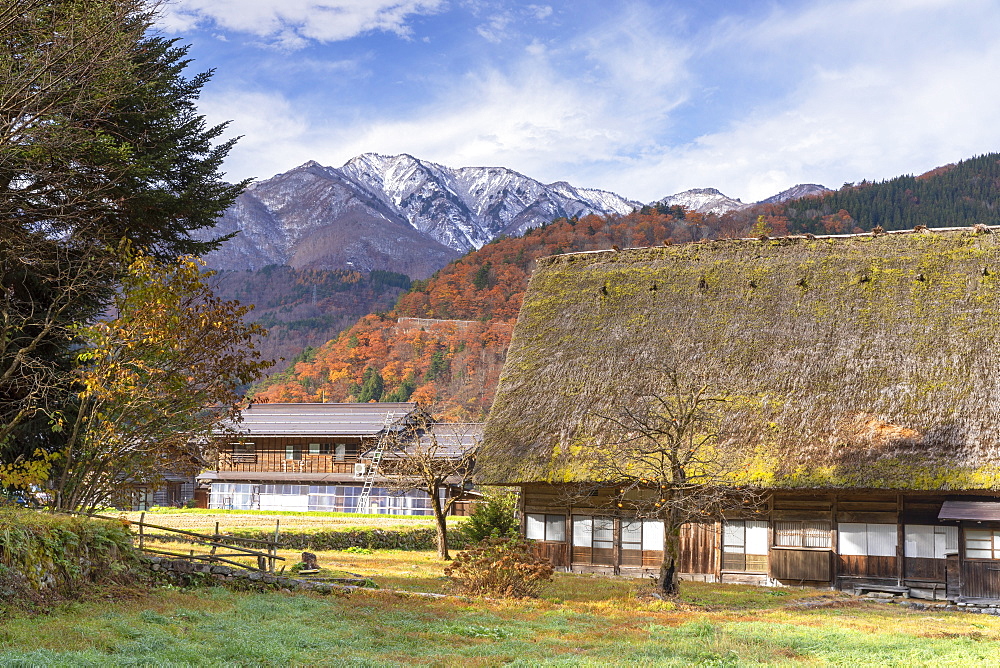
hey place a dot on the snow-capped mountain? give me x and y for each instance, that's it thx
(412, 216)
(710, 200)
(795, 192)
(391, 212)
(703, 200)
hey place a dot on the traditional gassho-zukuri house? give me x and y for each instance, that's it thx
(863, 382)
(319, 456)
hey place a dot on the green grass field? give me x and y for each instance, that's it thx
(202, 520)
(579, 620)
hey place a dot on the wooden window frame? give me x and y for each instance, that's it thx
(607, 553)
(737, 560)
(994, 544)
(891, 530)
(801, 531)
(548, 520)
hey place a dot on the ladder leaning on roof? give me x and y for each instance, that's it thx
(365, 500)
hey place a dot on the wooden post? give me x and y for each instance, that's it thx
(717, 545)
(834, 541)
(900, 540)
(616, 545)
(215, 544)
(274, 546)
(141, 536)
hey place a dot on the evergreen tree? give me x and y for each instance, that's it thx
(372, 386)
(100, 144)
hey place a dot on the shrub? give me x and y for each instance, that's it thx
(493, 518)
(499, 567)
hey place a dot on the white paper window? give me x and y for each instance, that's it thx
(555, 528)
(604, 533)
(545, 527)
(583, 530)
(652, 535)
(928, 541)
(744, 537)
(853, 539)
(632, 535)
(534, 528)
(982, 543)
(733, 537)
(313, 449)
(870, 540)
(882, 540)
(341, 451)
(756, 537)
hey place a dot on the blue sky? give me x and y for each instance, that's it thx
(643, 98)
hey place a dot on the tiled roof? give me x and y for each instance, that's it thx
(324, 419)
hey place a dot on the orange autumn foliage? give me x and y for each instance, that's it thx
(445, 342)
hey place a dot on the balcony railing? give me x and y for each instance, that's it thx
(275, 462)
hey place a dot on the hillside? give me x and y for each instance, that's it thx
(302, 308)
(445, 342)
(961, 194)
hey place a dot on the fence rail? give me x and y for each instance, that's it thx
(231, 546)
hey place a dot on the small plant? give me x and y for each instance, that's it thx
(499, 567)
(354, 549)
(493, 518)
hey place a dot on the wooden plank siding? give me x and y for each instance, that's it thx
(806, 563)
(867, 567)
(980, 579)
(931, 570)
(557, 553)
(801, 566)
(699, 547)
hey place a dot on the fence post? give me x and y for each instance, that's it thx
(274, 546)
(215, 544)
(142, 538)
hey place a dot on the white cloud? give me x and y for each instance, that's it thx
(836, 96)
(293, 23)
(495, 29)
(870, 103)
(541, 12)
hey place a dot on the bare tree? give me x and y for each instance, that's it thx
(436, 458)
(668, 462)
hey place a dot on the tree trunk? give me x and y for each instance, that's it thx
(440, 524)
(669, 584)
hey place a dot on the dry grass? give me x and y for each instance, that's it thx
(580, 620)
(204, 520)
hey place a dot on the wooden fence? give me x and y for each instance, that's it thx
(224, 548)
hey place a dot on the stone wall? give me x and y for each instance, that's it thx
(187, 573)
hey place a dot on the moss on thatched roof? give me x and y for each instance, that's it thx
(861, 361)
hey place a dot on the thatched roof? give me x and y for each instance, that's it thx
(855, 361)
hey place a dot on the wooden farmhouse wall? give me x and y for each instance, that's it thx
(843, 539)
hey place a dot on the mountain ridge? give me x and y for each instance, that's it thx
(403, 214)
(395, 213)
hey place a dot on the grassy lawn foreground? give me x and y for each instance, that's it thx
(580, 620)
